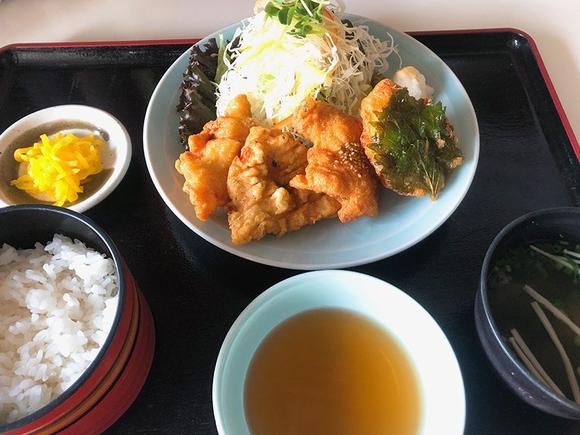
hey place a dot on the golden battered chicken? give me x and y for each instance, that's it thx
(337, 165)
(261, 200)
(409, 158)
(205, 166)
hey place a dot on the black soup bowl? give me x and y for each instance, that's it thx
(533, 228)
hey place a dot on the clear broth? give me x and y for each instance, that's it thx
(331, 371)
(510, 304)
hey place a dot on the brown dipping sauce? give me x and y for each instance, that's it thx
(9, 167)
(331, 371)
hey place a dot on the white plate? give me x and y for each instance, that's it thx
(402, 221)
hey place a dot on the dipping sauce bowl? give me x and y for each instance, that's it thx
(439, 377)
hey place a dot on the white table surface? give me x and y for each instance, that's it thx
(554, 24)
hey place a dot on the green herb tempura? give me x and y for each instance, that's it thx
(415, 145)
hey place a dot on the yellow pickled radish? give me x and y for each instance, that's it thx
(57, 166)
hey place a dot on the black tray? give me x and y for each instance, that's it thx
(196, 290)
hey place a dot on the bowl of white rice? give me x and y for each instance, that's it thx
(64, 318)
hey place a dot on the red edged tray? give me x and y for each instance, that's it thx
(529, 160)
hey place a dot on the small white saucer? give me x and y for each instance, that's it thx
(115, 159)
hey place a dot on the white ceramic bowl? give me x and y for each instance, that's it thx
(116, 158)
(437, 369)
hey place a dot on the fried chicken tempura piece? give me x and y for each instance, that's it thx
(205, 166)
(337, 165)
(261, 201)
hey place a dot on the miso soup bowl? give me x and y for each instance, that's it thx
(548, 224)
(438, 374)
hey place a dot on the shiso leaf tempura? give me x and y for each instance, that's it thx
(415, 146)
(297, 49)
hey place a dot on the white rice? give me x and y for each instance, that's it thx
(57, 305)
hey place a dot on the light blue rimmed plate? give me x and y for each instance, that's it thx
(402, 221)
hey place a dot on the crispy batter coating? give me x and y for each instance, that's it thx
(261, 200)
(376, 102)
(205, 166)
(337, 165)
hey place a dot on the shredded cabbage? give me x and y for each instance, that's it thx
(278, 70)
(361, 57)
